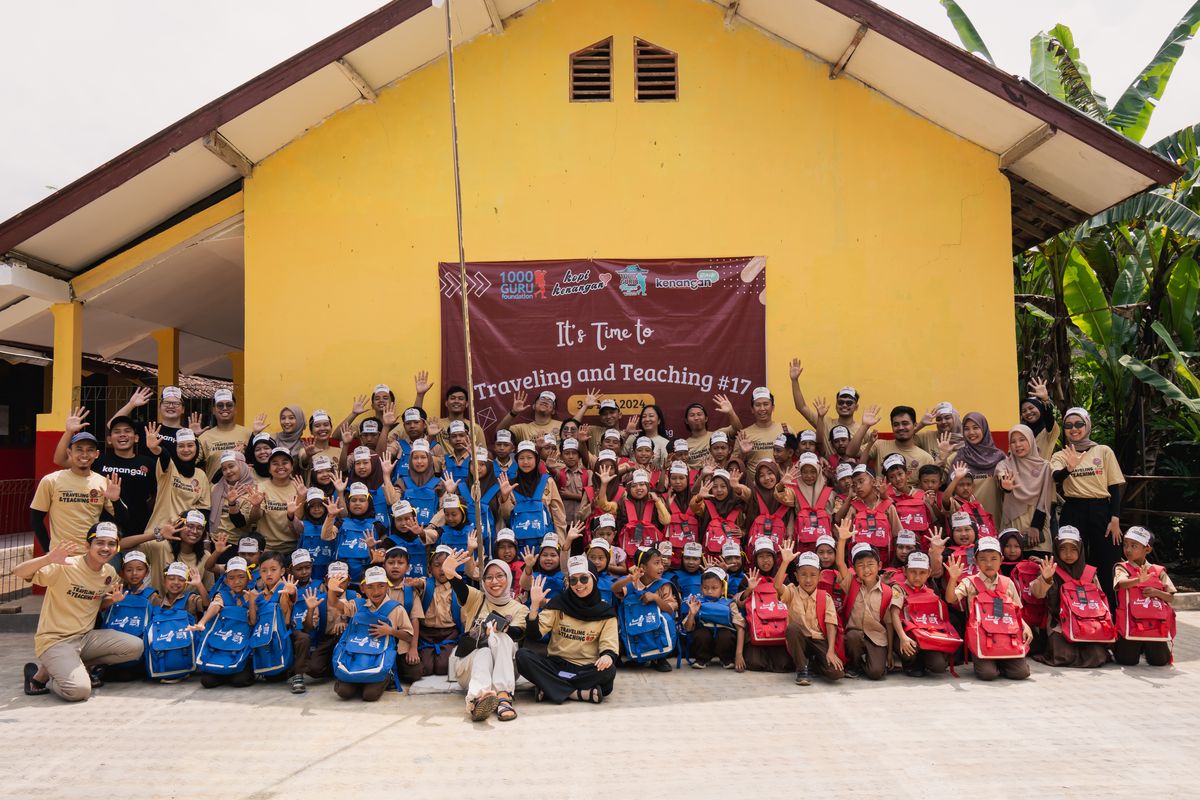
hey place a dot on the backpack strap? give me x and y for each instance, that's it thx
(763, 511)
(1089, 575)
(886, 601)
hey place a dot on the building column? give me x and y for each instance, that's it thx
(238, 360)
(66, 372)
(167, 340)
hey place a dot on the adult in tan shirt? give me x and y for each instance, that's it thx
(543, 417)
(73, 499)
(581, 659)
(78, 587)
(275, 507)
(227, 435)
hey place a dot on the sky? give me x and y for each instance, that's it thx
(84, 81)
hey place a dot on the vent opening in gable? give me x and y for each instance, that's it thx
(591, 73)
(657, 71)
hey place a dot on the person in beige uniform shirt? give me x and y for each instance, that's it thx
(182, 484)
(78, 587)
(543, 417)
(227, 435)
(276, 508)
(72, 500)
(808, 637)
(760, 435)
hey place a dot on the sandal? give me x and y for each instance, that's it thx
(483, 707)
(504, 708)
(592, 695)
(34, 687)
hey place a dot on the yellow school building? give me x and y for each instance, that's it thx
(286, 237)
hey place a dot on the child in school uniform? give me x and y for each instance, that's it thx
(397, 632)
(335, 588)
(766, 614)
(715, 626)
(829, 579)
(232, 612)
(871, 611)
(928, 640)
(181, 602)
(599, 555)
(1057, 583)
(994, 603)
(688, 576)
(278, 589)
(1145, 618)
(645, 581)
(813, 627)
(309, 610)
(407, 532)
(547, 563)
(443, 618)
(1025, 570)
(129, 614)
(731, 559)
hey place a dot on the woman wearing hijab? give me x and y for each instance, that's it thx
(530, 511)
(1059, 651)
(291, 430)
(494, 623)
(1028, 489)
(982, 458)
(581, 658)
(1090, 481)
(231, 496)
(182, 484)
(258, 454)
(1038, 414)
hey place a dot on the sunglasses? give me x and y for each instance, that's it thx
(577, 579)
(1070, 426)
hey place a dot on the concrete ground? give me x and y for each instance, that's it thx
(1113, 732)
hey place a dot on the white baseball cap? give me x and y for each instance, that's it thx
(643, 441)
(482, 454)
(810, 460)
(228, 455)
(320, 415)
(808, 436)
(236, 564)
(692, 550)
(184, 435)
(759, 393)
(549, 540)
(608, 403)
(843, 470)
(809, 559)
(906, 537)
(374, 575)
(321, 463)
(106, 530)
(1137, 533)
(640, 476)
(177, 569)
(894, 460)
(611, 433)
(988, 543)
(848, 391)
(314, 493)
(362, 454)
(1067, 533)
(526, 446)
(716, 572)
(412, 415)
(504, 436)
(839, 432)
(222, 396)
(420, 446)
(358, 490)
(451, 501)
(457, 426)
(172, 393)
(337, 568)
(862, 548)
(578, 565)
(549, 396)
(195, 517)
(134, 555)
(679, 468)
(718, 437)
(247, 544)
(369, 426)
(680, 446)
(722, 473)
(600, 544)
(730, 549)
(665, 549)
(960, 519)
(763, 543)
(301, 556)
(825, 538)
(548, 440)
(918, 560)
(570, 444)
(402, 507)
(606, 455)
(606, 521)
(506, 535)
(781, 440)
(381, 388)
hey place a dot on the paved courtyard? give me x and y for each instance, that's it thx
(1114, 732)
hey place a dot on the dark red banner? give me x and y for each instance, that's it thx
(668, 331)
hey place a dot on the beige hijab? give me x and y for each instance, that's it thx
(1035, 484)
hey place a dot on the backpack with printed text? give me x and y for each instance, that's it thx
(927, 620)
(359, 657)
(812, 521)
(170, 649)
(1033, 609)
(1083, 610)
(639, 530)
(271, 640)
(225, 646)
(766, 615)
(1141, 618)
(994, 623)
(647, 633)
(769, 524)
(721, 529)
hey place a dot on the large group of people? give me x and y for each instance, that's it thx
(391, 544)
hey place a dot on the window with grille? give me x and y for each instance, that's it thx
(657, 71)
(591, 73)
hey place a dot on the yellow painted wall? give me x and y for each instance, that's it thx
(887, 238)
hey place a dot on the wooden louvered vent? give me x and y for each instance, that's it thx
(591, 73)
(657, 71)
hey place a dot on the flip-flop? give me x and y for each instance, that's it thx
(33, 687)
(484, 706)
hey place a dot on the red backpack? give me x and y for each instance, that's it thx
(852, 595)
(966, 552)
(683, 528)
(767, 615)
(638, 532)
(983, 520)
(831, 584)
(914, 516)
(927, 620)
(812, 521)
(994, 623)
(769, 524)
(1033, 609)
(1083, 609)
(589, 492)
(871, 525)
(824, 597)
(721, 529)
(1141, 618)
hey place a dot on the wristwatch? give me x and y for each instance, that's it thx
(158, 537)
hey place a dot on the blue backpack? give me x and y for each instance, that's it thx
(715, 613)
(271, 640)
(323, 552)
(455, 614)
(352, 544)
(530, 519)
(487, 531)
(647, 634)
(456, 538)
(300, 611)
(360, 657)
(459, 471)
(381, 507)
(418, 553)
(170, 647)
(132, 614)
(226, 644)
(688, 585)
(423, 499)
(604, 583)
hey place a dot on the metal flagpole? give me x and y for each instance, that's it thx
(462, 276)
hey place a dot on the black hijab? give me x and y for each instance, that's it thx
(1054, 595)
(584, 609)
(1045, 419)
(526, 482)
(261, 470)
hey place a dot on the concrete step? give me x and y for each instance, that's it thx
(21, 615)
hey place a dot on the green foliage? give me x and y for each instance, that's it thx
(970, 37)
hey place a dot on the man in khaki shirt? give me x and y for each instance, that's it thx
(74, 499)
(228, 435)
(78, 587)
(543, 417)
(761, 435)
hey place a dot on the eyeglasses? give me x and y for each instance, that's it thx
(577, 579)
(224, 406)
(499, 576)
(1070, 426)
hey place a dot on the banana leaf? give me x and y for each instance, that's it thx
(970, 38)
(1131, 114)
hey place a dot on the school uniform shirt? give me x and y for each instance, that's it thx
(1122, 574)
(1096, 472)
(273, 525)
(802, 609)
(572, 481)
(438, 607)
(965, 589)
(72, 503)
(178, 495)
(74, 593)
(159, 555)
(763, 440)
(914, 455)
(534, 431)
(397, 593)
(214, 442)
(576, 640)
(139, 485)
(698, 446)
(866, 617)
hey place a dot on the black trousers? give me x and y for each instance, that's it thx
(559, 679)
(1091, 516)
(238, 680)
(706, 645)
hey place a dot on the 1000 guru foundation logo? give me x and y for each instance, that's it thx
(523, 284)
